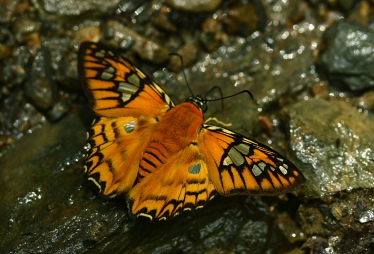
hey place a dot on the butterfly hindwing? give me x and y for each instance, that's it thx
(116, 87)
(112, 161)
(239, 165)
(182, 183)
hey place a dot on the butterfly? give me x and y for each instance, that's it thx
(163, 157)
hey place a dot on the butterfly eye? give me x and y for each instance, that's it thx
(130, 126)
(195, 168)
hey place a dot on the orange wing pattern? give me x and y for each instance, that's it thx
(128, 104)
(116, 87)
(181, 184)
(239, 165)
(164, 158)
(219, 161)
(113, 158)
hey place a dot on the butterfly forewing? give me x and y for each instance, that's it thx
(238, 165)
(116, 87)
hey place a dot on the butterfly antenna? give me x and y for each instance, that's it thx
(244, 91)
(184, 74)
(220, 91)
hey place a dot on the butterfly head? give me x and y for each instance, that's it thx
(199, 102)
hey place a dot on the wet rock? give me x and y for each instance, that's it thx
(35, 180)
(365, 102)
(146, 48)
(343, 222)
(59, 109)
(162, 21)
(334, 143)
(74, 219)
(69, 8)
(282, 12)
(67, 73)
(362, 14)
(40, 87)
(8, 9)
(279, 66)
(189, 53)
(194, 5)
(349, 56)
(24, 28)
(17, 117)
(346, 4)
(363, 213)
(87, 33)
(4, 52)
(211, 34)
(242, 19)
(13, 76)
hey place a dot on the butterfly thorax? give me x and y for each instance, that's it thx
(198, 101)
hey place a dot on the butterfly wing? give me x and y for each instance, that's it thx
(128, 104)
(220, 160)
(238, 165)
(182, 183)
(113, 158)
(115, 87)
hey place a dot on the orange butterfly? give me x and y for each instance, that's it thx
(164, 157)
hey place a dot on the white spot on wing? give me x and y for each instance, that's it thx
(243, 148)
(100, 54)
(262, 165)
(106, 75)
(256, 170)
(126, 97)
(130, 127)
(283, 170)
(127, 88)
(236, 157)
(110, 69)
(134, 79)
(227, 161)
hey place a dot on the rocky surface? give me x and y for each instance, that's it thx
(307, 63)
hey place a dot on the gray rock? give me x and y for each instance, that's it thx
(146, 48)
(334, 142)
(349, 55)
(74, 8)
(40, 87)
(194, 5)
